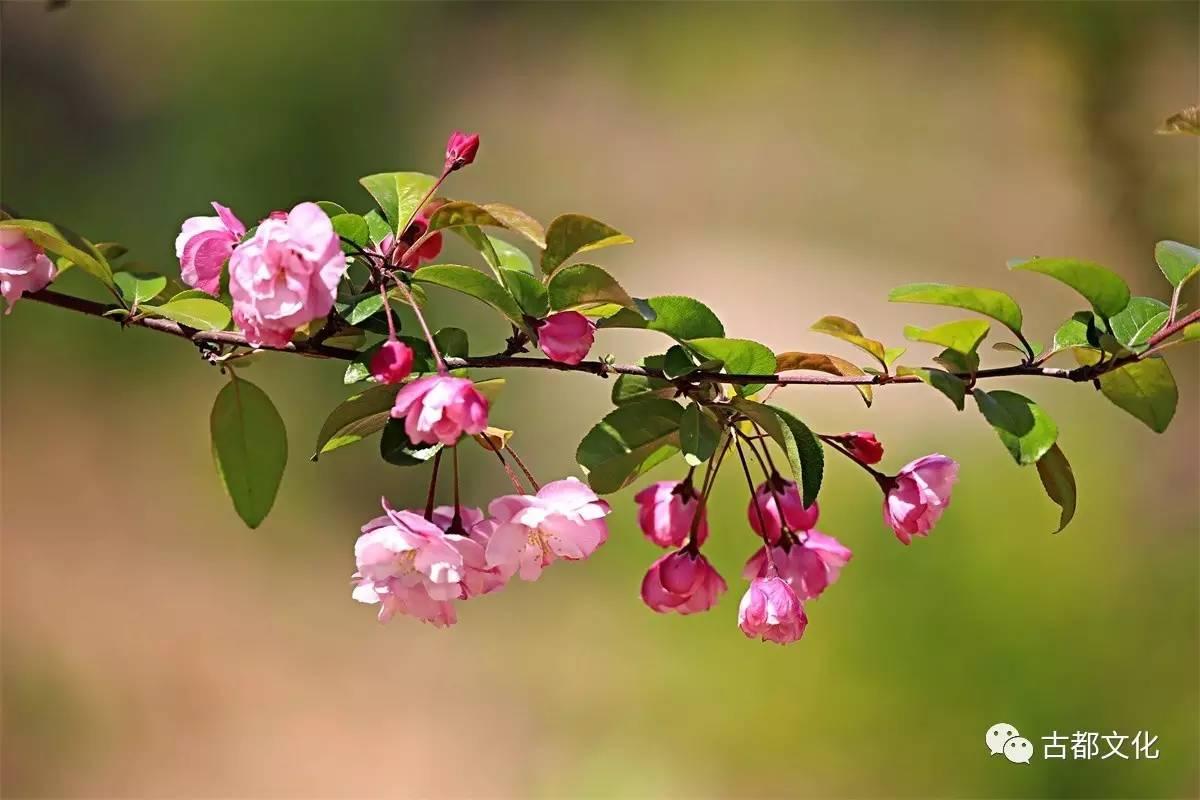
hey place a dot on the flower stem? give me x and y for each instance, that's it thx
(387, 310)
(412, 301)
(532, 481)
(429, 500)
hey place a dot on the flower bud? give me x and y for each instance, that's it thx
(773, 496)
(863, 445)
(771, 611)
(566, 337)
(683, 582)
(666, 511)
(461, 149)
(393, 363)
(916, 498)
(809, 565)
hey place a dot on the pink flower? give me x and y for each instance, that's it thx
(204, 245)
(665, 513)
(461, 149)
(809, 563)
(393, 363)
(566, 337)
(440, 408)
(917, 497)
(470, 537)
(24, 267)
(770, 610)
(285, 275)
(683, 582)
(772, 494)
(863, 445)
(410, 259)
(565, 519)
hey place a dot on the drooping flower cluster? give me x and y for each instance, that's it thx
(24, 267)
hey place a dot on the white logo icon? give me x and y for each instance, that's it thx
(998, 734)
(1018, 750)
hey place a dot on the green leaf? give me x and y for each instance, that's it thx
(1104, 289)
(249, 448)
(201, 313)
(699, 432)
(1191, 332)
(528, 291)
(847, 331)
(740, 356)
(950, 385)
(803, 449)
(679, 317)
(989, 302)
(356, 418)
(452, 342)
(963, 336)
(396, 448)
(458, 213)
(490, 389)
(1022, 425)
(628, 442)
(398, 193)
(138, 287)
(362, 307)
(575, 233)
(1138, 321)
(377, 227)
(331, 208)
(517, 220)
(1146, 389)
(475, 284)
(1179, 262)
(822, 362)
(65, 243)
(1059, 481)
(510, 256)
(679, 361)
(1083, 329)
(354, 228)
(956, 362)
(584, 285)
(632, 388)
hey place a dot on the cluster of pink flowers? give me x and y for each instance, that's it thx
(24, 267)
(417, 566)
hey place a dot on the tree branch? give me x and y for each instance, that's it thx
(315, 349)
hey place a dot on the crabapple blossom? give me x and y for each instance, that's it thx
(683, 582)
(764, 510)
(24, 267)
(285, 275)
(393, 362)
(863, 446)
(204, 245)
(461, 149)
(404, 255)
(666, 511)
(566, 337)
(440, 408)
(809, 562)
(470, 537)
(565, 519)
(771, 611)
(917, 496)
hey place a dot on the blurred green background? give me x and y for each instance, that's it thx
(781, 162)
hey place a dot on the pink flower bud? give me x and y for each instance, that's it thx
(863, 445)
(24, 267)
(916, 498)
(683, 582)
(285, 275)
(769, 497)
(392, 363)
(440, 408)
(771, 611)
(808, 564)
(410, 259)
(566, 337)
(461, 149)
(204, 245)
(665, 513)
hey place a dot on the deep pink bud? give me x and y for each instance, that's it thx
(771, 611)
(430, 248)
(863, 445)
(666, 511)
(566, 337)
(392, 363)
(916, 498)
(769, 497)
(683, 582)
(808, 565)
(461, 149)
(440, 408)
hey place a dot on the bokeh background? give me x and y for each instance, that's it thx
(780, 162)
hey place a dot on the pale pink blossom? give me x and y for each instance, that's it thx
(440, 408)
(666, 511)
(683, 582)
(470, 535)
(565, 519)
(566, 337)
(771, 611)
(404, 546)
(764, 509)
(916, 497)
(810, 562)
(204, 245)
(24, 267)
(285, 275)
(392, 363)
(461, 149)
